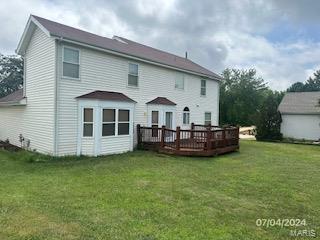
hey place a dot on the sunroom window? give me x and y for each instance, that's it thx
(123, 122)
(108, 122)
(87, 122)
(71, 63)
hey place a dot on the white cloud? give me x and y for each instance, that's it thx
(216, 34)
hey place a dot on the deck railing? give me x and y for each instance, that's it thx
(204, 140)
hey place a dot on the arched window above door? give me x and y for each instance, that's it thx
(186, 116)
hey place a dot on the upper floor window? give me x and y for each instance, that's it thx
(207, 118)
(203, 90)
(133, 75)
(186, 115)
(87, 122)
(179, 84)
(71, 63)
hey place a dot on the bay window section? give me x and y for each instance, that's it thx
(71, 63)
(123, 122)
(109, 122)
(87, 122)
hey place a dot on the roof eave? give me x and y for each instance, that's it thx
(27, 33)
(72, 41)
(22, 102)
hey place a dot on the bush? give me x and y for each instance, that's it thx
(269, 119)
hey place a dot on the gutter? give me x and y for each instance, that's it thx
(134, 58)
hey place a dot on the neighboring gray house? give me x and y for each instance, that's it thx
(300, 113)
(85, 94)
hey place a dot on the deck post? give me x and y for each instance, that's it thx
(163, 129)
(224, 142)
(139, 136)
(192, 133)
(178, 139)
(209, 138)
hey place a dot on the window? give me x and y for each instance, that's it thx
(179, 81)
(123, 122)
(203, 91)
(108, 122)
(87, 122)
(207, 118)
(186, 115)
(133, 75)
(71, 63)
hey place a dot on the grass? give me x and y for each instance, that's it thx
(146, 196)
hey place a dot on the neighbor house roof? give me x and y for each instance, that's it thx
(162, 101)
(121, 45)
(14, 97)
(104, 95)
(300, 103)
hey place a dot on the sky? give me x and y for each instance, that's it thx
(279, 38)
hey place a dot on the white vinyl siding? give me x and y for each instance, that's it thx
(291, 126)
(35, 121)
(105, 72)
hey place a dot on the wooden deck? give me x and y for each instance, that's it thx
(200, 140)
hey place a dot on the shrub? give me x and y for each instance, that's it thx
(269, 119)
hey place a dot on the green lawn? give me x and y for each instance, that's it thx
(144, 195)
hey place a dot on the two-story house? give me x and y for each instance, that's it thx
(85, 94)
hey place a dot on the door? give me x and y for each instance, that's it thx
(155, 123)
(168, 122)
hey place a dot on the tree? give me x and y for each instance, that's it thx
(296, 87)
(11, 74)
(269, 119)
(311, 85)
(241, 94)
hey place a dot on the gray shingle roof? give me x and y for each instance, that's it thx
(104, 95)
(13, 97)
(129, 47)
(162, 101)
(300, 103)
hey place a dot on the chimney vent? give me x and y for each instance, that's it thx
(186, 55)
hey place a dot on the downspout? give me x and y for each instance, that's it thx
(55, 142)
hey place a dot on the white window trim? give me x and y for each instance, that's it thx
(83, 122)
(175, 81)
(79, 64)
(203, 95)
(115, 122)
(205, 117)
(133, 86)
(123, 122)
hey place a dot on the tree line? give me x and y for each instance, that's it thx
(245, 98)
